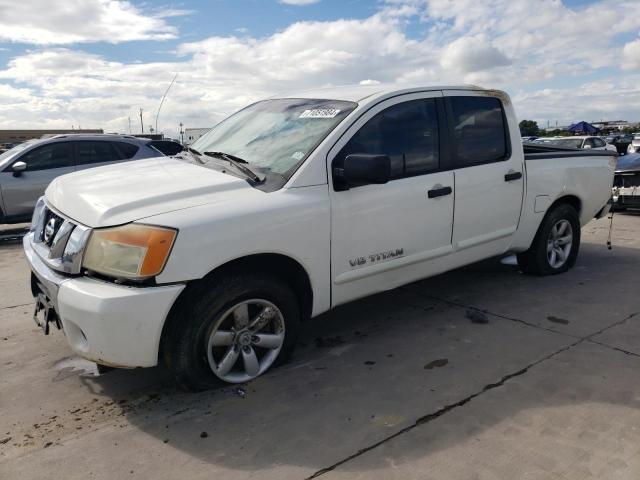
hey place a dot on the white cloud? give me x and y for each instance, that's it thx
(631, 55)
(465, 41)
(46, 22)
(472, 54)
(607, 99)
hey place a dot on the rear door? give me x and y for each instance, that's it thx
(44, 163)
(489, 173)
(383, 236)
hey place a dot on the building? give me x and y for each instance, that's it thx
(611, 125)
(562, 128)
(193, 134)
(19, 136)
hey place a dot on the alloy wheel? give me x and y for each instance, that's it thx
(246, 340)
(559, 243)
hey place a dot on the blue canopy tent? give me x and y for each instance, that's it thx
(583, 128)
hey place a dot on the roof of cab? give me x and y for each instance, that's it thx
(358, 93)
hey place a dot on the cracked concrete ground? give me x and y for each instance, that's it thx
(398, 385)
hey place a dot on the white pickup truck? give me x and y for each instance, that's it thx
(211, 260)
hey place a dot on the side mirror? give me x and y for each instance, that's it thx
(587, 147)
(18, 168)
(363, 169)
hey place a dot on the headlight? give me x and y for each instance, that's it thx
(37, 211)
(132, 251)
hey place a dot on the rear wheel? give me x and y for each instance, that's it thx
(231, 330)
(556, 244)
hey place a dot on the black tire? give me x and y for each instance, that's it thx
(535, 261)
(193, 316)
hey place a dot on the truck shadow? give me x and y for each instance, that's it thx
(370, 369)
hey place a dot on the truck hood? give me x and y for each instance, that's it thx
(125, 192)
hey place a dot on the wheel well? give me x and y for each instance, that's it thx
(281, 265)
(565, 200)
(569, 200)
(285, 267)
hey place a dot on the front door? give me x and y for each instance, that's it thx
(20, 191)
(382, 236)
(489, 174)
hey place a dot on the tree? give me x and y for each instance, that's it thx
(529, 128)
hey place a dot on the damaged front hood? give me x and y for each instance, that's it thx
(125, 192)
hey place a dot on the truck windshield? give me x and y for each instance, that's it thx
(275, 135)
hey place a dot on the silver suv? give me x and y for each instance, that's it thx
(27, 169)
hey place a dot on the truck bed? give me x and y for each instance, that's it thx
(586, 176)
(534, 151)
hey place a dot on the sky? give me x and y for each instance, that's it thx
(95, 63)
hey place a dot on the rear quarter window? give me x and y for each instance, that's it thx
(479, 130)
(166, 147)
(125, 150)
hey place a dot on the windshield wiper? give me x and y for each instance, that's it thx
(195, 154)
(239, 163)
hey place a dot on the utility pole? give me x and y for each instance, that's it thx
(181, 133)
(129, 124)
(163, 97)
(141, 124)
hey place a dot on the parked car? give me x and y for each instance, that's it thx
(626, 183)
(584, 142)
(621, 142)
(634, 146)
(529, 138)
(209, 261)
(27, 169)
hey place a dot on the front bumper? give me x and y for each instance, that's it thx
(109, 324)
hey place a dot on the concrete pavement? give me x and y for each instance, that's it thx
(399, 385)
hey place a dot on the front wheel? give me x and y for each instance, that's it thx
(231, 330)
(556, 244)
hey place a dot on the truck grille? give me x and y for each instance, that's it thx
(629, 200)
(58, 241)
(52, 224)
(626, 180)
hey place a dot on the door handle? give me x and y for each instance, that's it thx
(439, 192)
(509, 177)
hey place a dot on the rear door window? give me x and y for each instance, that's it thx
(478, 130)
(90, 152)
(52, 155)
